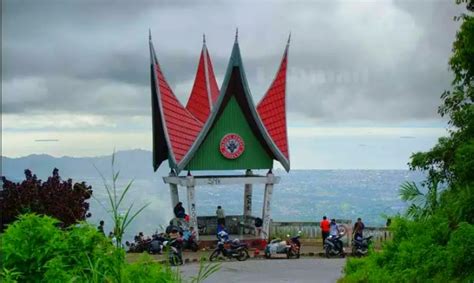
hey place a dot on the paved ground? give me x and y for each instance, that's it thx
(306, 250)
(312, 270)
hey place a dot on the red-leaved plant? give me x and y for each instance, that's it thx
(58, 198)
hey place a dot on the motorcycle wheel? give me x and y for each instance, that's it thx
(175, 260)
(267, 255)
(243, 255)
(289, 254)
(214, 256)
(328, 251)
(298, 254)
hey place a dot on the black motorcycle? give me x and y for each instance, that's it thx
(234, 250)
(174, 249)
(360, 246)
(333, 246)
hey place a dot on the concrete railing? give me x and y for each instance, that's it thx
(235, 224)
(380, 235)
(309, 229)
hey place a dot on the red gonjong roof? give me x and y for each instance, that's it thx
(205, 90)
(272, 107)
(180, 128)
(179, 131)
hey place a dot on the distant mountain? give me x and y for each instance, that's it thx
(131, 163)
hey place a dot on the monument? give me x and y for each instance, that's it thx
(220, 130)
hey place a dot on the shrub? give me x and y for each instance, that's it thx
(60, 199)
(34, 249)
(421, 251)
(145, 270)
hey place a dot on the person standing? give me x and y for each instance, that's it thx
(220, 215)
(358, 229)
(324, 228)
(100, 228)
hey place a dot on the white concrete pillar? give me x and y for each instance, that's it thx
(248, 196)
(248, 200)
(191, 194)
(174, 195)
(266, 216)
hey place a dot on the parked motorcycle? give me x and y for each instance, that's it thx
(360, 246)
(291, 247)
(230, 249)
(333, 246)
(174, 249)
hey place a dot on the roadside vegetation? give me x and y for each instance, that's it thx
(47, 239)
(35, 249)
(434, 241)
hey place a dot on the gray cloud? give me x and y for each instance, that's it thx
(349, 61)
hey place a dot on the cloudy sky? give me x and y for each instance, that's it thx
(364, 77)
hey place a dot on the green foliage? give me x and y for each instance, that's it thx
(9, 276)
(29, 244)
(146, 270)
(436, 243)
(460, 249)
(441, 162)
(458, 204)
(116, 198)
(421, 251)
(422, 204)
(34, 249)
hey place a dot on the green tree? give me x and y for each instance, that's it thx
(435, 244)
(451, 161)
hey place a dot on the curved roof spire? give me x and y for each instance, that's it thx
(174, 128)
(205, 90)
(272, 107)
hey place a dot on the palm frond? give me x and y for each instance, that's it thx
(414, 211)
(409, 191)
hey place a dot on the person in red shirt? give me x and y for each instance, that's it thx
(325, 226)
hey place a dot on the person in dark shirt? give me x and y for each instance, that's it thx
(179, 211)
(358, 229)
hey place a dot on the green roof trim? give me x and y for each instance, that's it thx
(234, 88)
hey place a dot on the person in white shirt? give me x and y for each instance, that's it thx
(333, 228)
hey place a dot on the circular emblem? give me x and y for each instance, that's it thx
(232, 146)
